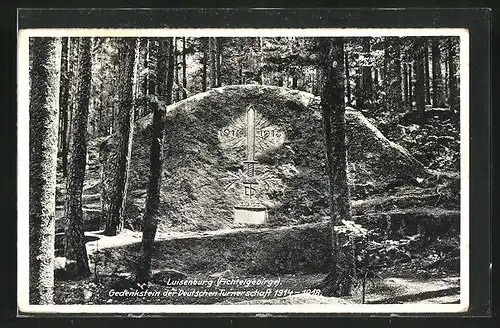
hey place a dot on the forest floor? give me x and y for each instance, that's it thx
(398, 283)
(294, 289)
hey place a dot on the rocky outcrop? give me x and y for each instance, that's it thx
(193, 188)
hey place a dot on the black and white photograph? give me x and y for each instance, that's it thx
(243, 170)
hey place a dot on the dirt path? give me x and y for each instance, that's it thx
(411, 290)
(128, 237)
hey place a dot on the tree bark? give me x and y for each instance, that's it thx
(347, 78)
(420, 78)
(43, 124)
(393, 75)
(212, 64)
(218, 63)
(176, 72)
(366, 79)
(146, 76)
(427, 77)
(75, 251)
(75, 56)
(438, 96)
(206, 47)
(156, 160)
(410, 85)
(64, 104)
(184, 77)
(339, 280)
(261, 60)
(453, 85)
(114, 218)
(405, 84)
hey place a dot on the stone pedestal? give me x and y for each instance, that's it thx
(253, 214)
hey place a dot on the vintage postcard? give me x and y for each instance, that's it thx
(243, 171)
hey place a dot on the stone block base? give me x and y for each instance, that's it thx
(255, 214)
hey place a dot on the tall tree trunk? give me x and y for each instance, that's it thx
(446, 79)
(261, 60)
(147, 66)
(438, 96)
(63, 104)
(453, 85)
(184, 77)
(405, 84)
(347, 77)
(420, 78)
(366, 80)
(393, 74)
(339, 280)
(150, 222)
(176, 72)
(213, 63)
(75, 251)
(114, 217)
(75, 56)
(410, 85)
(101, 108)
(427, 75)
(218, 62)
(358, 94)
(206, 47)
(45, 64)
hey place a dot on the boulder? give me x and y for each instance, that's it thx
(194, 193)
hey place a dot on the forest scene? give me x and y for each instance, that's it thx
(244, 170)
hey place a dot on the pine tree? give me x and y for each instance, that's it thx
(420, 77)
(184, 77)
(366, 78)
(156, 158)
(438, 92)
(43, 124)
(339, 280)
(453, 85)
(347, 77)
(114, 218)
(176, 72)
(205, 47)
(218, 61)
(74, 250)
(405, 84)
(392, 59)
(410, 84)
(213, 62)
(427, 75)
(63, 105)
